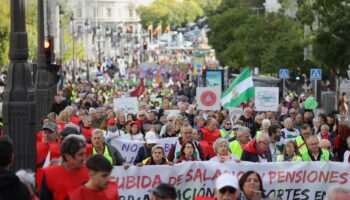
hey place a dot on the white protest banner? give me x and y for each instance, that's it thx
(171, 112)
(128, 104)
(235, 112)
(129, 148)
(208, 98)
(167, 142)
(266, 98)
(284, 180)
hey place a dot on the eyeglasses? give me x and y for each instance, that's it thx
(327, 147)
(228, 124)
(292, 113)
(227, 189)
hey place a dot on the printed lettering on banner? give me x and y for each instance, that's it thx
(127, 104)
(129, 148)
(284, 180)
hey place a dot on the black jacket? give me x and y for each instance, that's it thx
(143, 153)
(11, 188)
(117, 158)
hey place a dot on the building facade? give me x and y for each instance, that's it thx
(111, 24)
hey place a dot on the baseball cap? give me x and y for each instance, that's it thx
(50, 126)
(226, 180)
(165, 190)
(111, 121)
(151, 137)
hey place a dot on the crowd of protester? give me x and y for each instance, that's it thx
(83, 122)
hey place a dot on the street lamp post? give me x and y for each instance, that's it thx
(61, 12)
(98, 34)
(19, 105)
(87, 27)
(73, 38)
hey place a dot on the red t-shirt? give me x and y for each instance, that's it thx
(85, 193)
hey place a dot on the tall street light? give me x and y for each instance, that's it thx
(98, 34)
(73, 32)
(19, 105)
(61, 13)
(42, 93)
(87, 28)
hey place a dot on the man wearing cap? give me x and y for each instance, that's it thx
(186, 136)
(226, 188)
(113, 131)
(146, 151)
(164, 191)
(47, 149)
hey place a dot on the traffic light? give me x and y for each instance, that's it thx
(99, 66)
(145, 45)
(49, 50)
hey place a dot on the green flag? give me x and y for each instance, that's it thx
(310, 103)
(240, 90)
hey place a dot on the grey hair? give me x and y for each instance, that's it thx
(97, 131)
(332, 191)
(169, 126)
(242, 130)
(266, 122)
(224, 122)
(218, 142)
(261, 137)
(325, 125)
(197, 118)
(289, 119)
(171, 115)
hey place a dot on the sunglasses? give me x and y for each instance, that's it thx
(227, 189)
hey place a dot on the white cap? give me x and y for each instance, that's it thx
(151, 137)
(225, 180)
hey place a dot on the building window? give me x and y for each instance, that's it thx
(79, 12)
(109, 12)
(95, 12)
(131, 12)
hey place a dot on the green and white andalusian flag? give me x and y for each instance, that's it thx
(240, 90)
